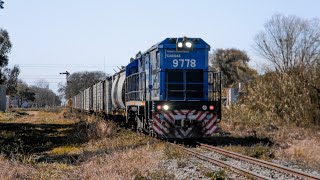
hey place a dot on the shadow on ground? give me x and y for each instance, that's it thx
(37, 139)
(27, 138)
(227, 140)
(237, 141)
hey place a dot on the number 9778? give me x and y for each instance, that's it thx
(184, 63)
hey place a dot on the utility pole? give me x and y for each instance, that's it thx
(67, 76)
(66, 73)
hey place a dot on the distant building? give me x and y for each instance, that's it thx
(25, 104)
(234, 93)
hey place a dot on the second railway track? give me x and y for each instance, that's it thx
(245, 165)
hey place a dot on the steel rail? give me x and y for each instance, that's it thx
(260, 162)
(225, 164)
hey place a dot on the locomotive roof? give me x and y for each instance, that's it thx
(171, 43)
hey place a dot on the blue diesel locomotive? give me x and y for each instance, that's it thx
(167, 91)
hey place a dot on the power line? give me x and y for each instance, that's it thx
(40, 78)
(45, 82)
(40, 75)
(79, 67)
(58, 64)
(63, 65)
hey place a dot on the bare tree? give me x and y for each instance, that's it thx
(44, 97)
(42, 83)
(289, 41)
(79, 81)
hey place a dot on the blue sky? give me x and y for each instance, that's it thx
(50, 37)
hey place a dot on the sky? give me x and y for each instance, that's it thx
(50, 37)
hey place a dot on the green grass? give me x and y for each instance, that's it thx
(218, 175)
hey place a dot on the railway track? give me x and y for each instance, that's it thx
(275, 171)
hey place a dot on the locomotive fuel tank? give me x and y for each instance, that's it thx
(118, 91)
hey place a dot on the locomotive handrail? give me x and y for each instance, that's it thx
(134, 74)
(214, 81)
(134, 91)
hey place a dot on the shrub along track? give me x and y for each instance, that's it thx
(245, 165)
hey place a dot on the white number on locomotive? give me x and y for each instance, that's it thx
(184, 63)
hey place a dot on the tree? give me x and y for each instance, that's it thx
(5, 47)
(289, 41)
(42, 83)
(24, 93)
(79, 81)
(10, 78)
(137, 55)
(44, 97)
(1, 4)
(233, 64)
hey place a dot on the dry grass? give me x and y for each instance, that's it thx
(15, 170)
(51, 109)
(173, 152)
(127, 164)
(300, 145)
(8, 116)
(76, 147)
(35, 117)
(303, 151)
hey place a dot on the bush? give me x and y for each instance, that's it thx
(291, 97)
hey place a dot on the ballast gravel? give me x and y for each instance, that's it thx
(191, 167)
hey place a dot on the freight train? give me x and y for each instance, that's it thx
(167, 92)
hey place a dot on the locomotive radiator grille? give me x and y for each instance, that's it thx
(184, 124)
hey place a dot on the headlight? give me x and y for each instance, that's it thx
(180, 44)
(188, 44)
(204, 107)
(165, 107)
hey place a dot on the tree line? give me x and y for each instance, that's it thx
(37, 96)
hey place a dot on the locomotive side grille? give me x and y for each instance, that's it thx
(194, 84)
(184, 84)
(175, 86)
